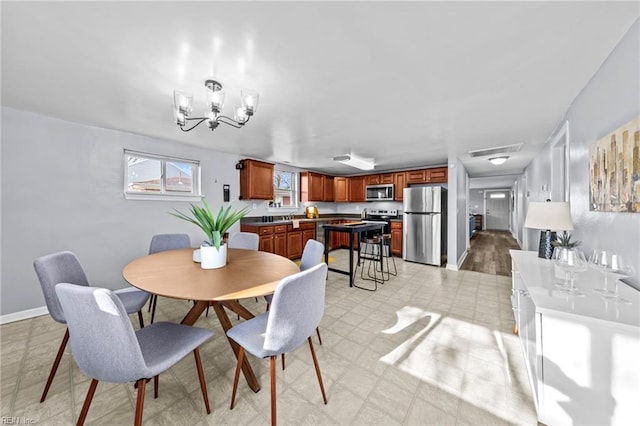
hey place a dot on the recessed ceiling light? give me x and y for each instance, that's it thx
(498, 160)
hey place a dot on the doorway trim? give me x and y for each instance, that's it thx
(559, 161)
(486, 195)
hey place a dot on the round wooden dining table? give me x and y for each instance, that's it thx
(248, 273)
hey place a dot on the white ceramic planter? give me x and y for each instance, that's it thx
(211, 258)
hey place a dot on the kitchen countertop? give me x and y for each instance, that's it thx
(257, 221)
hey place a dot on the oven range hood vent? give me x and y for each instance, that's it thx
(497, 150)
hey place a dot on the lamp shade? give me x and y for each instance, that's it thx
(554, 216)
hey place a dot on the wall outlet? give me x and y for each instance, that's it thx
(254, 206)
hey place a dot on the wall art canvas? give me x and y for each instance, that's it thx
(614, 166)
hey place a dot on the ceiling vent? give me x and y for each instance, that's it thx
(494, 151)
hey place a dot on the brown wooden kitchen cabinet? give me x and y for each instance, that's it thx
(386, 178)
(282, 239)
(341, 239)
(311, 186)
(308, 232)
(372, 179)
(416, 176)
(256, 180)
(437, 175)
(294, 244)
(399, 183)
(356, 189)
(432, 175)
(327, 184)
(396, 238)
(266, 242)
(341, 189)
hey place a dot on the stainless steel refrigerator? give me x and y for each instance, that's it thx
(425, 224)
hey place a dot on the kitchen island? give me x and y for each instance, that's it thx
(352, 229)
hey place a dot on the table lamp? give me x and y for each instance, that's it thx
(548, 217)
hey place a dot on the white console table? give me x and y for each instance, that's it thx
(582, 352)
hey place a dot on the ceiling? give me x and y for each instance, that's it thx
(410, 84)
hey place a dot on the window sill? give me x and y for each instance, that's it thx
(162, 197)
(282, 209)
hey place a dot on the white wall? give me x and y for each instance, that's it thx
(457, 215)
(609, 100)
(62, 189)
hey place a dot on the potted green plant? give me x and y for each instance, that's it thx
(564, 240)
(213, 252)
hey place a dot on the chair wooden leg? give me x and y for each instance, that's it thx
(315, 364)
(272, 368)
(55, 365)
(153, 310)
(203, 384)
(282, 362)
(87, 402)
(142, 383)
(140, 318)
(318, 333)
(155, 386)
(237, 377)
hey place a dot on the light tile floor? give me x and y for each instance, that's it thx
(430, 346)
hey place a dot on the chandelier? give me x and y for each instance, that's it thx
(183, 105)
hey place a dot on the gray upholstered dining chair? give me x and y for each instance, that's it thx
(296, 310)
(312, 255)
(244, 240)
(106, 347)
(64, 267)
(164, 242)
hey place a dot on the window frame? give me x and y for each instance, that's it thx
(194, 195)
(295, 183)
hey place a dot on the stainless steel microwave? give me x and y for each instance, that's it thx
(379, 192)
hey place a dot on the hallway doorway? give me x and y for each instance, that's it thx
(497, 210)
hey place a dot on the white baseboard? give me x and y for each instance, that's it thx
(22, 315)
(457, 267)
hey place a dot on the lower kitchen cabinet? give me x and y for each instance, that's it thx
(581, 351)
(280, 244)
(396, 238)
(282, 239)
(294, 244)
(266, 243)
(308, 234)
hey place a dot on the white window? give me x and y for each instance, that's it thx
(285, 189)
(149, 176)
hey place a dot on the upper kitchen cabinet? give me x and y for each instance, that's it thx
(437, 175)
(356, 188)
(328, 188)
(399, 183)
(341, 189)
(311, 186)
(386, 178)
(256, 180)
(433, 175)
(378, 179)
(416, 176)
(372, 179)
